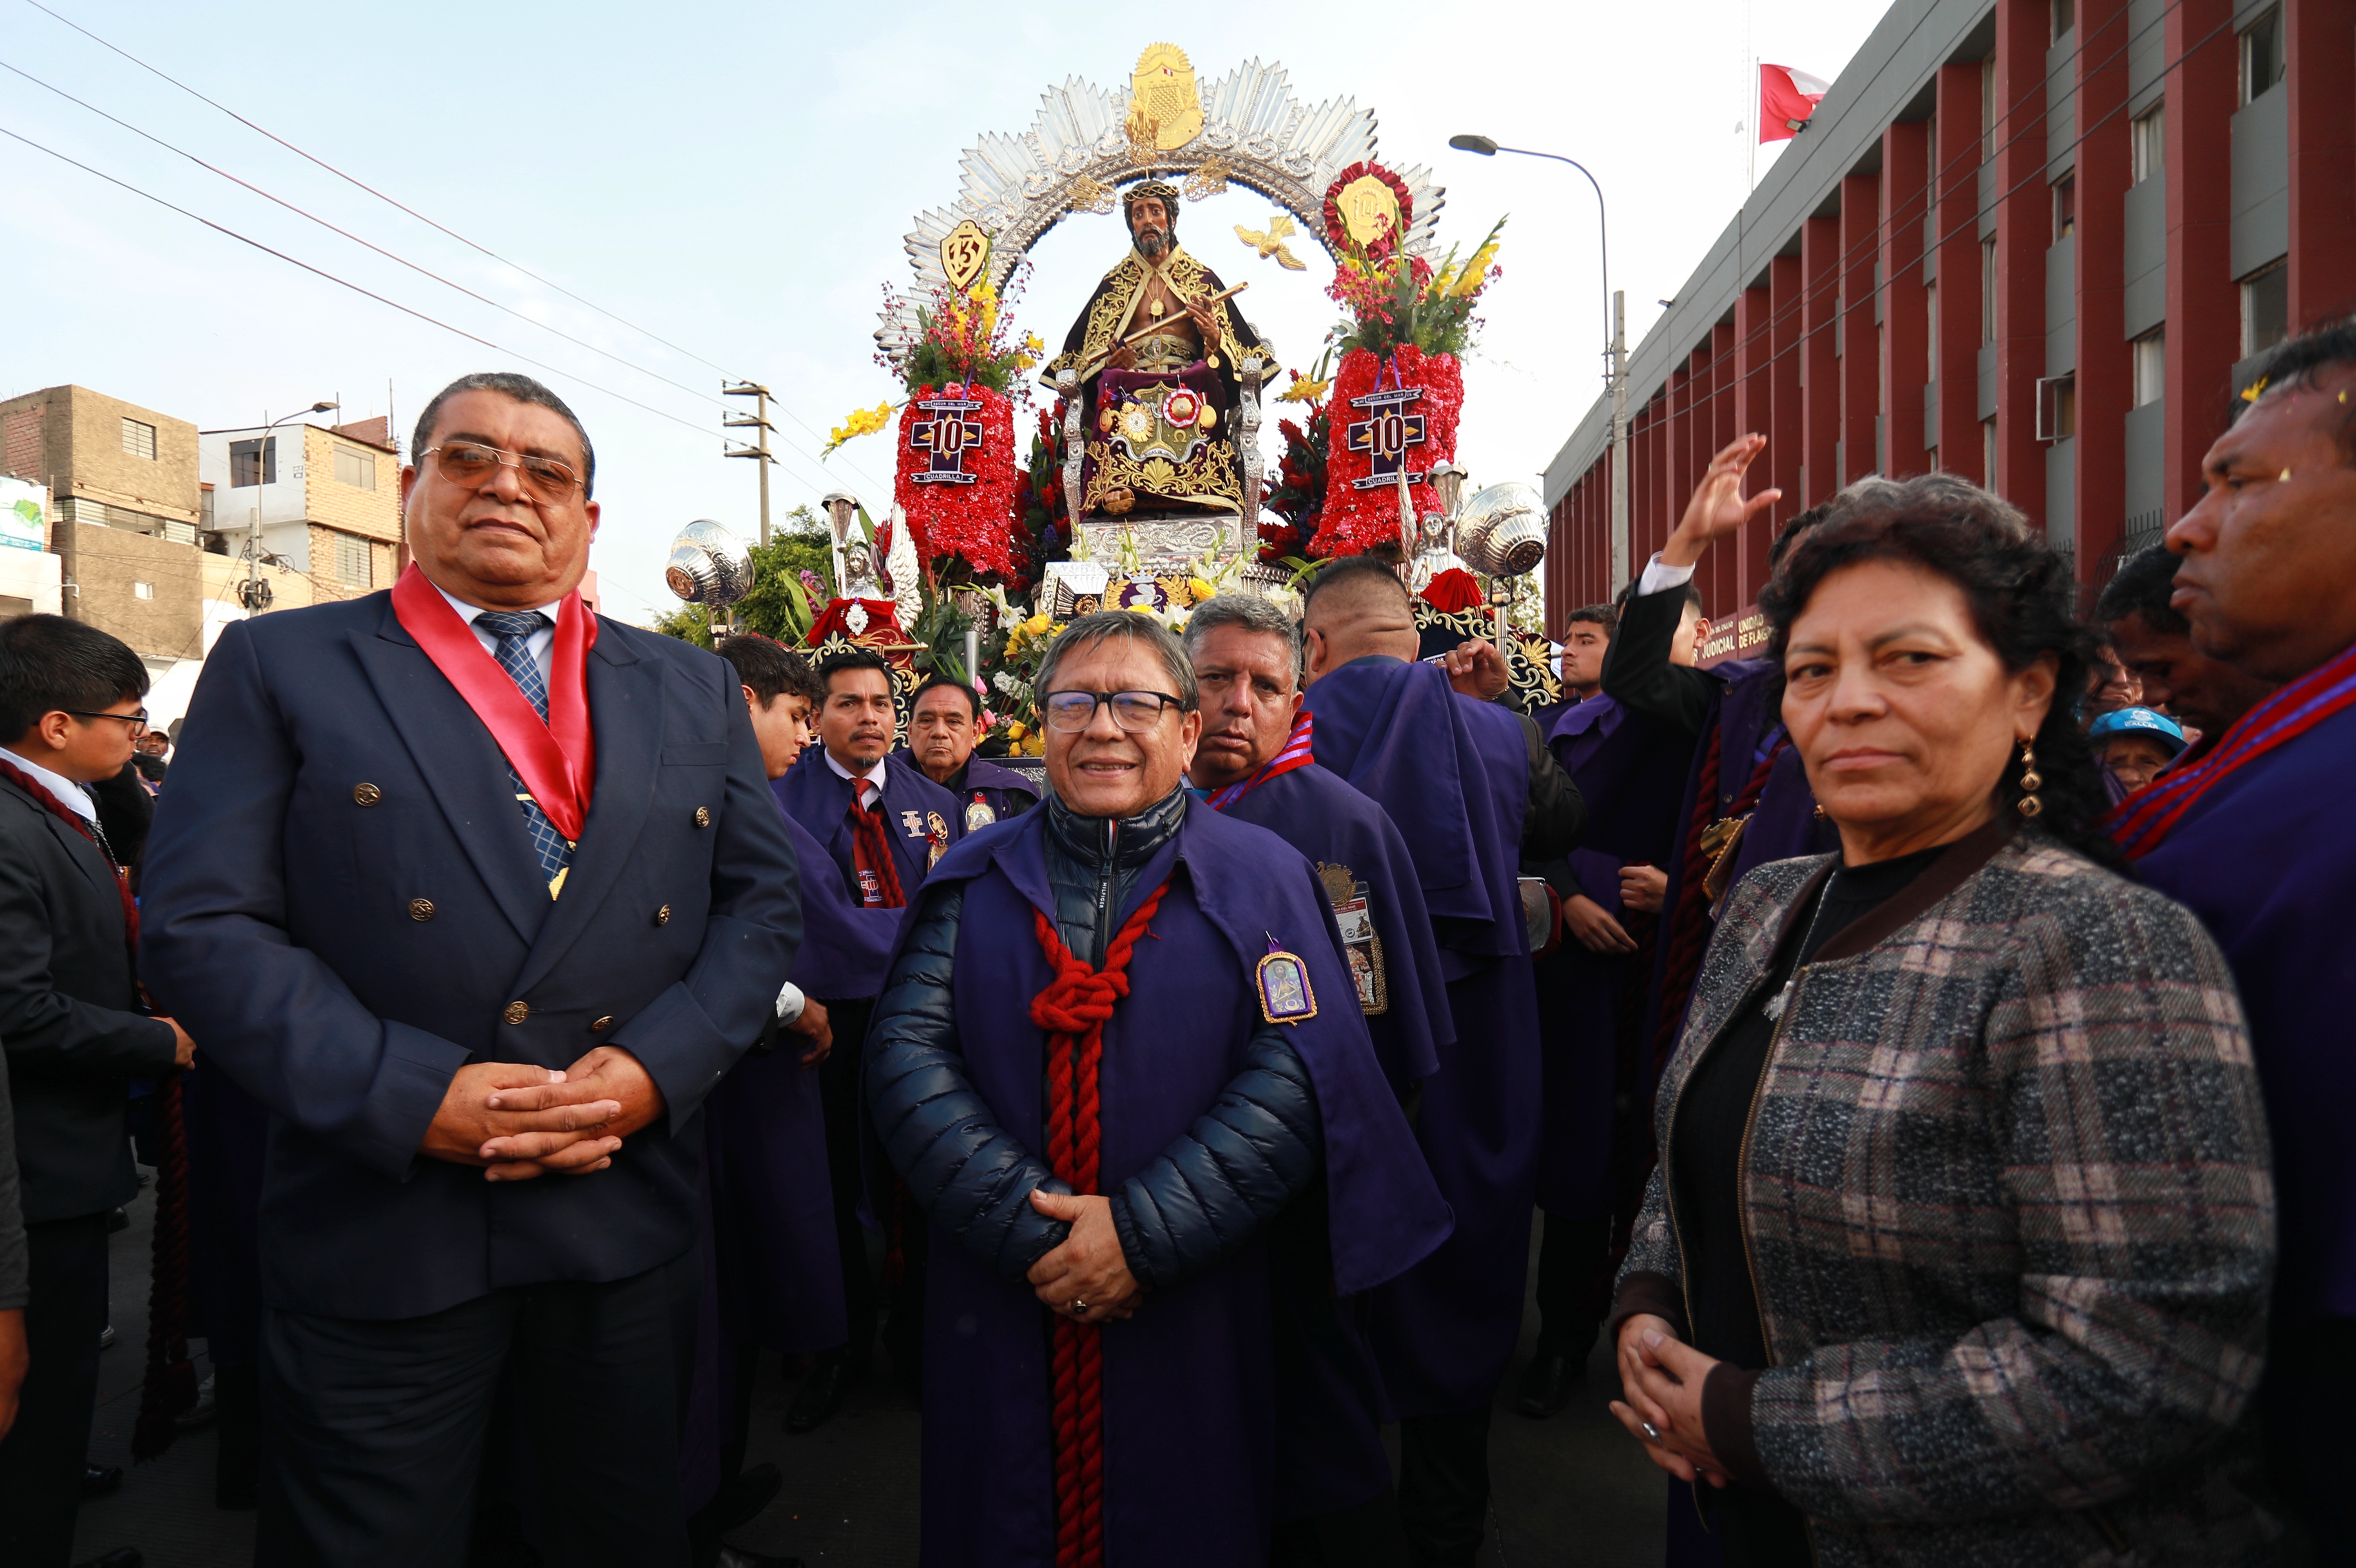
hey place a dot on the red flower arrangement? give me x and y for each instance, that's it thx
(971, 522)
(1338, 232)
(1299, 487)
(1353, 520)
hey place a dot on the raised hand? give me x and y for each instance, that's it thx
(1717, 506)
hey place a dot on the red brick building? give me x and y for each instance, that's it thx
(2036, 244)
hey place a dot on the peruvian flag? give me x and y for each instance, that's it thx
(1786, 98)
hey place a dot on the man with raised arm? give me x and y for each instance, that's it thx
(480, 894)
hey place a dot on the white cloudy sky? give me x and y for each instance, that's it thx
(736, 179)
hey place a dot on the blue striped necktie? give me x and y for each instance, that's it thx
(514, 630)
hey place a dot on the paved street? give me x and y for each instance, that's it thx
(1570, 1491)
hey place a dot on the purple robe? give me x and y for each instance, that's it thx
(1629, 768)
(2266, 860)
(1329, 1447)
(1188, 1413)
(819, 798)
(1454, 775)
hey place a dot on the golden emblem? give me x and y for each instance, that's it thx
(1272, 242)
(1093, 195)
(1165, 107)
(1369, 208)
(965, 252)
(1209, 178)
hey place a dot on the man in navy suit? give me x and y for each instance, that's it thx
(884, 824)
(480, 895)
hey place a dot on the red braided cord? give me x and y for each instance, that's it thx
(1073, 1010)
(875, 845)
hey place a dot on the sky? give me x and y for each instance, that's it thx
(702, 191)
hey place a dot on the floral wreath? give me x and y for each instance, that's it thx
(1339, 234)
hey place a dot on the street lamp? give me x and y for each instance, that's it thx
(1615, 337)
(257, 592)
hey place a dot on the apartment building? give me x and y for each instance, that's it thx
(2037, 242)
(326, 499)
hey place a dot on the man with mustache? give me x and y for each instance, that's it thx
(1254, 764)
(1156, 410)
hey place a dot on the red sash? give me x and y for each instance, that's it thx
(557, 759)
(1296, 753)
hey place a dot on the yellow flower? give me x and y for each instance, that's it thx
(1036, 746)
(861, 422)
(1199, 589)
(1037, 624)
(1015, 731)
(1304, 391)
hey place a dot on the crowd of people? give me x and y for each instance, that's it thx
(1916, 1044)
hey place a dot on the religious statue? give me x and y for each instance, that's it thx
(1157, 411)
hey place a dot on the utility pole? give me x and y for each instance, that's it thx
(1618, 442)
(758, 420)
(257, 592)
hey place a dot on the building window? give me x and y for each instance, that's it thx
(2065, 17)
(2150, 367)
(139, 440)
(2150, 144)
(2266, 309)
(2057, 408)
(352, 562)
(205, 507)
(357, 469)
(142, 591)
(2262, 55)
(253, 462)
(1987, 291)
(1987, 107)
(2065, 206)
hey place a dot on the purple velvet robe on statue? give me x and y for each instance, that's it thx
(1330, 1405)
(1188, 1410)
(1454, 775)
(1629, 768)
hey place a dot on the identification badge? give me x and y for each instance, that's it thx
(936, 832)
(871, 889)
(914, 821)
(1361, 948)
(1285, 997)
(978, 815)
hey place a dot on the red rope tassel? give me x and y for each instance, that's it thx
(873, 852)
(1073, 1010)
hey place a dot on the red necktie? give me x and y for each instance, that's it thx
(871, 851)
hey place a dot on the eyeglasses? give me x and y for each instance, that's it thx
(465, 463)
(1135, 711)
(138, 722)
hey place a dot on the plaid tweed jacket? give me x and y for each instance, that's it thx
(2009, 1215)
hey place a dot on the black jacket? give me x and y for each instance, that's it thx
(70, 1018)
(1246, 1157)
(1637, 671)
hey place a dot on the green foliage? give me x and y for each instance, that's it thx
(779, 605)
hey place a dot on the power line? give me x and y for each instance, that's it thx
(441, 227)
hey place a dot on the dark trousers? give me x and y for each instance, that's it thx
(1574, 1283)
(42, 1458)
(376, 1431)
(2303, 1408)
(901, 1290)
(1443, 1492)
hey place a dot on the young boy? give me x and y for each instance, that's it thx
(2136, 744)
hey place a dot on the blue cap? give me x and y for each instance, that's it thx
(2138, 721)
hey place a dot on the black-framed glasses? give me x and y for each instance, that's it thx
(138, 722)
(1135, 711)
(472, 464)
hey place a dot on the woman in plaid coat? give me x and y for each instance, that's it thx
(1959, 1245)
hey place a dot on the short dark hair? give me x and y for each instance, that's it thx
(523, 390)
(48, 663)
(2142, 588)
(841, 659)
(1351, 568)
(1602, 615)
(2023, 601)
(2301, 361)
(1089, 631)
(947, 683)
(770, 668)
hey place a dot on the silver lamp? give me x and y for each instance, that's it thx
(708, 565)
(1502, 530)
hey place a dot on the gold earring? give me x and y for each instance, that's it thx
(2030, 783)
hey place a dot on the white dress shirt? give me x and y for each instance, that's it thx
(873, 775)
(71, 795)
(1659, 576)
(541, 644)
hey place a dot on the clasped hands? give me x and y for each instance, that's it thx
(1087, 1278)
(518, 1122)
(1661, 1379)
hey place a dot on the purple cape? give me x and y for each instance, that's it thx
(1454, 775)
(1188, 1414)
(1628, 769)
(1329, 1410)
(2266, 860)
(1004, 791)
(819, 798)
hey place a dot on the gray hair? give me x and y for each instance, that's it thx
(1091, 631)
(1942, 491)
(1249, 612)
(523, 390)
